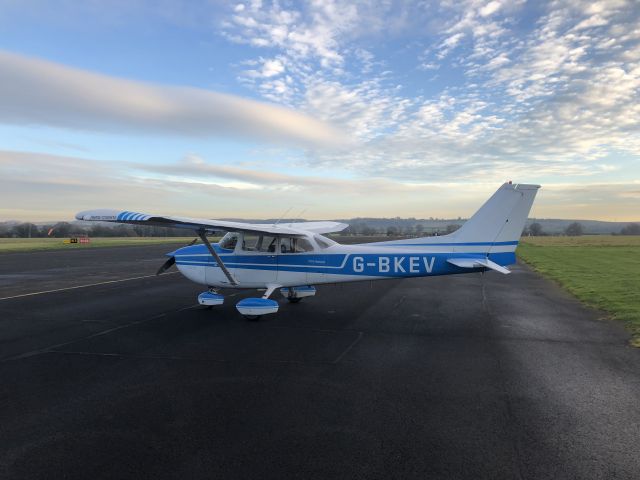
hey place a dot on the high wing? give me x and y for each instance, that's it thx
(136, 218)
(317, 227)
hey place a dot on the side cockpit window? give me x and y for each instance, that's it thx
(259, 243)
(267, 244)
(295, 245)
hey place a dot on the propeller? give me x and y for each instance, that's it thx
(166, 265)
(172, 260)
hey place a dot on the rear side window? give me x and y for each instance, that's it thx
(259, 243)
(267, 243)
(295, 245)
(322, 242)
(302, 245)
(249, 242)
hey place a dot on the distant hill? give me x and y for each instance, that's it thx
(550, 226)
(358, 225)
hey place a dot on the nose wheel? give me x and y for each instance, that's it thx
(295, 294)
(210, 298)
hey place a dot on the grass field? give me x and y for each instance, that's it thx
(8, 245)
(603, 271)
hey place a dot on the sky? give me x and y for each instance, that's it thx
(320, 109)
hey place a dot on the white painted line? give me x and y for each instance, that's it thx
(353, 344)
(50, 349)
(82, 286)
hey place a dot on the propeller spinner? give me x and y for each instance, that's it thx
(172, 260)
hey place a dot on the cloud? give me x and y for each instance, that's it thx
(271, 68)
(449, 44)
(53, 187)
(498, 90)
(276, 26)
(195, 167)
(619, 201)
(550, 100)
(490, 8)
(39, 92)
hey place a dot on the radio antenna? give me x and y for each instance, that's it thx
(299, 217)
(282, 216)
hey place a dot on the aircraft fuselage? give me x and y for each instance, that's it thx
(339, 263)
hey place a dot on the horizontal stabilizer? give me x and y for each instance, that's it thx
(477, 263)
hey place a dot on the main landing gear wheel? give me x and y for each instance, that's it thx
(294, 299)
(254, 308)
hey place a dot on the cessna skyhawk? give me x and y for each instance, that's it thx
(293, 257)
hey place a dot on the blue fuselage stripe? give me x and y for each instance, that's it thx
(466, 244)
(359, 264)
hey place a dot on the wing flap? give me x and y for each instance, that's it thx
(318, 227)
(477, 263)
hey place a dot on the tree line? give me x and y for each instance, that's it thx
(417, 230)
(576, 229)
(65, 229)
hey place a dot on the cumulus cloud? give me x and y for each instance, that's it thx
(554, 99)
(35, 91)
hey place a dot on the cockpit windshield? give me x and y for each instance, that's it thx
(229, 241)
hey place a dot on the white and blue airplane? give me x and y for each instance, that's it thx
(293, 257)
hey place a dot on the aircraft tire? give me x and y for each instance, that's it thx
(294, 300)
(252, 318)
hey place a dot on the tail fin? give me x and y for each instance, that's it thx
(501, 218)
(494, 229)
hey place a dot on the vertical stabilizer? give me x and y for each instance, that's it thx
(495, 228)
(502, 217)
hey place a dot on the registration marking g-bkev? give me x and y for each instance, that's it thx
(384, 264)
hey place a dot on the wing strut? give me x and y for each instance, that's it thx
(221, 264)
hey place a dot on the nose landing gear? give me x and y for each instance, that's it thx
(210, 298)
(295, 294)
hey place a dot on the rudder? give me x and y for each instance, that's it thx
(502, 218)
